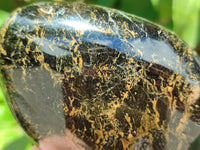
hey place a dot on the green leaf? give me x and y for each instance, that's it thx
(164, 9)
(155, 3)
(185, 19)
(106, 3)
(7, 5)
(1, 97)
(18, 144)
(11, 132)
(141, 8)
(8, 126)
(3, 15)
(196, 144)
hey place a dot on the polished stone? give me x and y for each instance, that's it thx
(113, 79)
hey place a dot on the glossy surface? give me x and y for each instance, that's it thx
(113, 79)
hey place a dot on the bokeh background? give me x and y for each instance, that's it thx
(179, 16)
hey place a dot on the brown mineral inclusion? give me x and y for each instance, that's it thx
(114, 80)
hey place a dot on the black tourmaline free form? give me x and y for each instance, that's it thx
(114, 80)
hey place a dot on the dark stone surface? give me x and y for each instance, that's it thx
(113, 79)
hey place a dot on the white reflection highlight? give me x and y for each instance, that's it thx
(79, 25)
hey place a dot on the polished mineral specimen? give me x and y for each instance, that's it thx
(114, 80)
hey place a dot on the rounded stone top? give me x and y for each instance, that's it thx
(115, 80)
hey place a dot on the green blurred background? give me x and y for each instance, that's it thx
(180, 16)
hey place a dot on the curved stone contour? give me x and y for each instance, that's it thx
(113, 79)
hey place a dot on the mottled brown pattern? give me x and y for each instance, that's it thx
(113, 79)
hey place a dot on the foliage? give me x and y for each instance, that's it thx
(11, 134)
(185, 19)
(181, 16)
